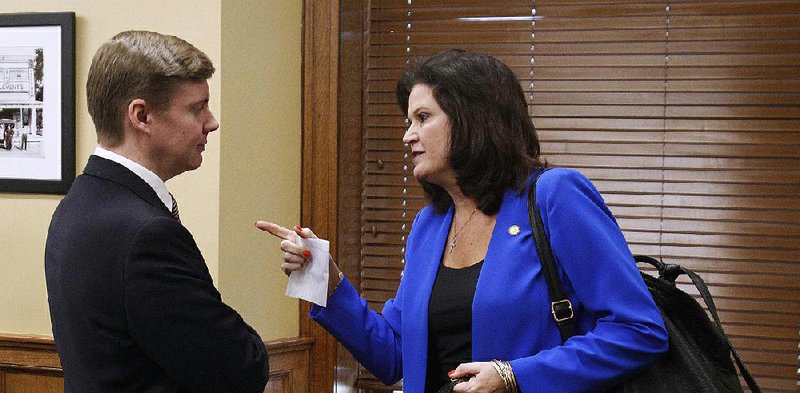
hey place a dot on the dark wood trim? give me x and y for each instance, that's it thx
(319, 152)
(31, 354)
(290, 365)
(34, 356)
(283, 380)
(285, 345)
(351, 155)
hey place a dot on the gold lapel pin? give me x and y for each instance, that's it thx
(513, 230)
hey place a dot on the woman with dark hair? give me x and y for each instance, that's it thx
(473, 303)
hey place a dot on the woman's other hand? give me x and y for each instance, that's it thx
(484, 378)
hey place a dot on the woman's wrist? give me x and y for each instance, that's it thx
(507, 375)
(335, 277)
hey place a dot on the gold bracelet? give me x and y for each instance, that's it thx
(512, 377)
(499, 368)
(507, 375)
(341, 278)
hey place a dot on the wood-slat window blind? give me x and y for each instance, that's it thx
(732, 170)
(685, 115)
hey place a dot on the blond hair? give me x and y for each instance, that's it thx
(139, 64)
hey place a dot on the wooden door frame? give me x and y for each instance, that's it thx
(319, 165)
(332, 162)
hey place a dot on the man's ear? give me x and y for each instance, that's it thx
(138, 114)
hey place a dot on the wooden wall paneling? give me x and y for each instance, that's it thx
(31, 352)
(30, 364)
(319, 167)
(24, 382)
(350, 156)
(290, 365)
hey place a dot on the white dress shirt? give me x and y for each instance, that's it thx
(147, 175)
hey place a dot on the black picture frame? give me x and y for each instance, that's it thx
(37, 103)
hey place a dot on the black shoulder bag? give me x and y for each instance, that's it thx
(699, 355)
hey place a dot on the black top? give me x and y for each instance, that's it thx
(450, 322)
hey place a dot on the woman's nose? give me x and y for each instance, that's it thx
(410, 135)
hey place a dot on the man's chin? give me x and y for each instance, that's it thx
(196, 163)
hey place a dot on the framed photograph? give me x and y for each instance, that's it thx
(37, 102)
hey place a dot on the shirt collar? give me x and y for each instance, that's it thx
(147, 175)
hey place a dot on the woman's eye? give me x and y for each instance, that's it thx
(422, 117)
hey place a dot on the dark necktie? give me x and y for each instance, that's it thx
(175, 212)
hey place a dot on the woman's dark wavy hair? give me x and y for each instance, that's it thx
(493, 143)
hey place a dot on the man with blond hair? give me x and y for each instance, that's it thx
(132, 303)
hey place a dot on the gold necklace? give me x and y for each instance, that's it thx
(458, 232)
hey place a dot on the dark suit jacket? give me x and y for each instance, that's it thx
(132, 303)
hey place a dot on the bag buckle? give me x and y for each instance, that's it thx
(559, 310)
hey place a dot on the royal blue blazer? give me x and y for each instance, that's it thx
(620, 330)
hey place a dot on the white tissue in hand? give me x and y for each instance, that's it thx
(311, 281)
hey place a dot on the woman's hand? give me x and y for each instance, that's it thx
(295, 256)
(484, 378)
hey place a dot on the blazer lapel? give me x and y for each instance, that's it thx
(112, 171)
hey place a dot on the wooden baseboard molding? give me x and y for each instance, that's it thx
(33, 354)
(289, 365)
(33, 361)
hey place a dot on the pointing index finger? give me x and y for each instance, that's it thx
(275, 230)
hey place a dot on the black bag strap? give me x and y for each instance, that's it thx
(706, 295)
(561, 307)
